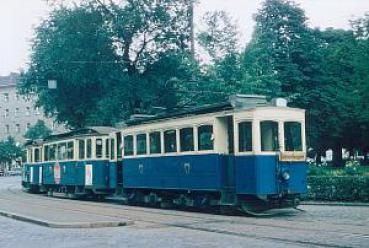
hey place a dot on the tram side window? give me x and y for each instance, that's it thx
(62, 151)
(107, 150)
(70, 150)
(155, 143)
(46, 153)
(205, 136)
(269, 136)
(112, 149)
(30, 156)
(186, 138)
(292, 136)
(81, 144)
(119, 145)
(128, 145)
(99, 148)
(52, 154)
(89, 148)
(170, 141)
(245, 136)
(141, 144)
(37, 154)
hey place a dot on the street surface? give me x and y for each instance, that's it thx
(315, 226)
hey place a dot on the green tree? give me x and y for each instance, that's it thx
(38, 131)
(99, 54)
(9, 151)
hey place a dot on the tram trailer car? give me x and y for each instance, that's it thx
(247, 154)
(76, 163)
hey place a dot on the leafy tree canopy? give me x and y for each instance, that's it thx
(38, 131)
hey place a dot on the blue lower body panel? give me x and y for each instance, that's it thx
(261, 175)
(187, 172)
(73, 173)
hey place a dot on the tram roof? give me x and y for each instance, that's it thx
(234, 102)
(98, 130)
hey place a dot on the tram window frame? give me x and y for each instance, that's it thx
(155, 138)
(46, 153)
(170, 141)
(89, 148)
(273, 144)
(107, 148)
(112, 149)
(70, 150)
(209, 144)
(187, 144)
(296, 135)
(245, 138)
(99, 148)
(30, 155)
(128, 145)
(52, 152)
(141, 144)
(37, 154)
(119, 146)
(62, 151)
(81, 149)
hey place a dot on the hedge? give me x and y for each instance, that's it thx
(340, 188)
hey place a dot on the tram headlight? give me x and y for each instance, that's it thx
(286, 175)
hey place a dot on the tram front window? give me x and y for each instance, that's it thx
(269, 136)
(292, 136)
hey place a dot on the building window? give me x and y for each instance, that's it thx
(6, 113)
(245, 136)
(269, 136)
(206, 138)
(28, 111)
(186, 137)
(37, 110)
(7, 129)
(17, 128)
(6, 97)
(141, 144)
(128, 145)
(155, 143)
(16, 112)
(17, 97)
(28, 126)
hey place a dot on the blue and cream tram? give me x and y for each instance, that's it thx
(75, 163)
(246, 153)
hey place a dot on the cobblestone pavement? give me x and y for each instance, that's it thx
(315, 226)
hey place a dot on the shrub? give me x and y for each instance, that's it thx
(339, 188)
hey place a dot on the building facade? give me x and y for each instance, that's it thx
(18, 113)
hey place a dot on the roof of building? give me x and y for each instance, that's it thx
(10, 80)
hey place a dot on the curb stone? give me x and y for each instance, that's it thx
(326, 203)
(51, 224)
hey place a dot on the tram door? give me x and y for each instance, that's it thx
(226, 145)
(119, 161)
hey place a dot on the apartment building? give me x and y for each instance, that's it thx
(17, 112)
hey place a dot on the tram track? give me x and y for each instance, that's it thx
(181, 213)
(191, 221)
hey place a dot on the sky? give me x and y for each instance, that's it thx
(19, 17)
